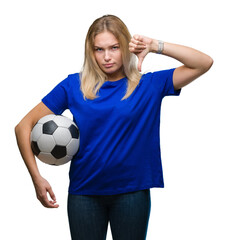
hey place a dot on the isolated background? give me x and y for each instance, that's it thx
(43, 41)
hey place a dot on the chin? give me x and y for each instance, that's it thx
(111, 70)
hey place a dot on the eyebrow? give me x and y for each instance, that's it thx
(109, 46)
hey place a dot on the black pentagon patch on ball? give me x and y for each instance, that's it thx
(59, 152)
(74, 131)
(49, 127)
(35, 148)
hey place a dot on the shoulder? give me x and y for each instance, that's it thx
(73, 77)
(158, 74)
(158, 80)
(157, 77)
(71, 80)
(164, 73)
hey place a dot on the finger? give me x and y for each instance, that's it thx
(46, 202)
(52, 204)
(133, 50)
(137, 42)
(49, 204)
(138, 37)
(136, 48)
(51, 193)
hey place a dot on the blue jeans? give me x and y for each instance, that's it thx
(127, 213)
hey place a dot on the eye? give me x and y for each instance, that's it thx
(98, 49)
(115, 48)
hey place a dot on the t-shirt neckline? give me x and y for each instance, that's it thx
(115, 82)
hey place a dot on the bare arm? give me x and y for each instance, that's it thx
(195, 63)
(22, 131)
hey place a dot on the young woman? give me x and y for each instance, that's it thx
(117, 110)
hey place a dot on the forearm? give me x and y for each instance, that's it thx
(195, 63)
(190, 57)
(41, 185)
(22, 132)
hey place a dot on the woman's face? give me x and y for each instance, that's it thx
(108, 55)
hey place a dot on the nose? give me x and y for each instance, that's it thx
(107, 56)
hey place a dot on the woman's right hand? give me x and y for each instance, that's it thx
(43, 188)
(23, 131)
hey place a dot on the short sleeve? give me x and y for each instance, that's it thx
(165, 81)
(57, 99)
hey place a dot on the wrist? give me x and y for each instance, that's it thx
(160, 47)
(36, 177)
(154, 46)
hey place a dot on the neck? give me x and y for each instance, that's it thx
(115, 77)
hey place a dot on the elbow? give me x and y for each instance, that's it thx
(207, 64)
(23, 126)
(17, 129)
(210, 63)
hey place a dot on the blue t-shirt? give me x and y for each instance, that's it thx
(119, 140)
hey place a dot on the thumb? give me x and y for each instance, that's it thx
(140, 60)
(52, 204)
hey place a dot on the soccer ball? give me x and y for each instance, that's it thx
(55, 139)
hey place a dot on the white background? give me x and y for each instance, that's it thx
(43, 41)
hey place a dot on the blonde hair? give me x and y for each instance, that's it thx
(92, 77)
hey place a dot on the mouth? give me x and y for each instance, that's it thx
(109, 65)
